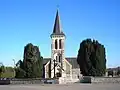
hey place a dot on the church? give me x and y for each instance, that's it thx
(59, 65)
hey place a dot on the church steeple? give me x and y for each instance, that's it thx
(57, 49)
(57, 27)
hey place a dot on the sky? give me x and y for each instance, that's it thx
(31, 21)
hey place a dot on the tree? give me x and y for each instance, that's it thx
(118, 71)
(9, 72)
(91, 58)
(20, 72)
(2, 69)
(31, 67)
(110, 72)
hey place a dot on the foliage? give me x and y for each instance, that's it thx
(1, 69)
(31, 67)
(19, 70)
(118, 71)
(91, 58)
(20, 73)
(8, 72)
(110, 72)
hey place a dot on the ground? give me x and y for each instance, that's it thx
(62, 87)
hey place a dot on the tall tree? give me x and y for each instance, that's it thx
(31, 67)
(91, 58)
(32, 61)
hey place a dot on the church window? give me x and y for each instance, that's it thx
(59, 58)
(60, 44)
(56, 46)
(56, 58)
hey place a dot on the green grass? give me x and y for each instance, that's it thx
(8, 75)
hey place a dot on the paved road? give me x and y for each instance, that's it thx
(62, 87)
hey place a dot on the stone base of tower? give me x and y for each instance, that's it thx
(65, 71)
(69, 79)
(63, 75)
(63, 80)
(68, 74)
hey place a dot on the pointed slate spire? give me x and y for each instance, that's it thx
(57, 27)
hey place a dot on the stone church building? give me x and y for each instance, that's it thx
(59, 65)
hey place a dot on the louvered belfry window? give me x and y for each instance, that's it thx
(60, 44)
(56, 46)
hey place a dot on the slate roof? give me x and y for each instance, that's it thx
(57, 27)
(71, 60)
(45, 60)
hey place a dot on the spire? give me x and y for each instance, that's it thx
(57, 27)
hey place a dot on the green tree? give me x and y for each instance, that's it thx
(20, 72)
(9, 72)
(31, 67)
(110, 72)
(6, 72)
(118, 71)
(91, 58)
(2, 69)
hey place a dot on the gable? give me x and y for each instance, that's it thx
(71, 60)
(45, 60)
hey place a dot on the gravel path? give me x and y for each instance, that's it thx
(62, 87)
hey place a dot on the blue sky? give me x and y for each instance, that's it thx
(31, 21)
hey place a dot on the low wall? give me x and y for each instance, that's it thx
(85, 79)
(105, 80)
(28, 81)
(88, 79)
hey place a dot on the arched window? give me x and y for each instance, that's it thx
(56, 58)
(59, 58)
(56, 46)
(60, 44)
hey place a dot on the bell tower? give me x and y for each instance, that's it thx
(57, 50)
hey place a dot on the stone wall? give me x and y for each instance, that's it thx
(105, 80)
(85, 79)
(28, 81)
(88, 79)
(63, 80)
(76, 73)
